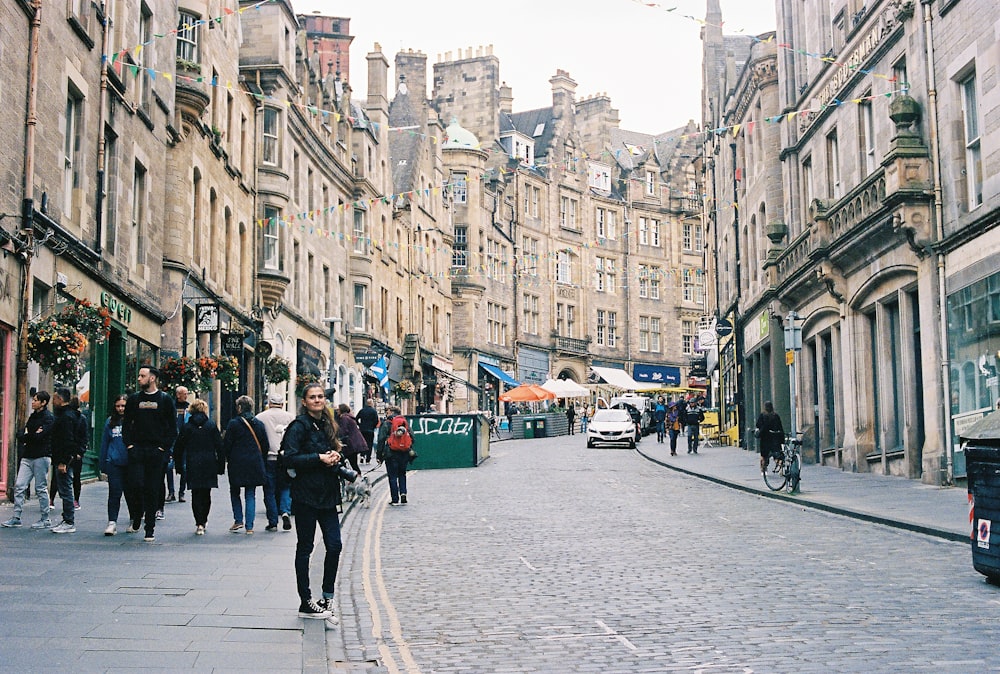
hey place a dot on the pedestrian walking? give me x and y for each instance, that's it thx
(674, 425)
(277, 494)
(351, 441)
(769, 433)
(392, 448)
(113, 462)
(245, 447)
(693, 417)
(368, 421)
(181, 404)
(311, 449)
(571, 418)
(65, 449)
(35, 448)
(81, 431)
(660, 417)
(199, 449)
(149, 430)
(584, 418)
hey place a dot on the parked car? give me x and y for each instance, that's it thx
(611, 427)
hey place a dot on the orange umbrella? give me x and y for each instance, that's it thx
(526, 393)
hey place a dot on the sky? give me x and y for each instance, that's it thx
(646, 59)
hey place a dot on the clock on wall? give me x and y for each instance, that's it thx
(207, 318)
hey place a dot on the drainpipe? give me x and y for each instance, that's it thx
(28, 234)
(102, 113)
(939, 231)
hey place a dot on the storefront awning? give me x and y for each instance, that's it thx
(618, 378)
(500, 374)
(662, 375)
(455, 377)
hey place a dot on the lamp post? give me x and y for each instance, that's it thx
(331, 377)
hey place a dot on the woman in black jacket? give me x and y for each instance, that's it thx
(770, 434)
(200, 446)
(312, 452)
(245, 447)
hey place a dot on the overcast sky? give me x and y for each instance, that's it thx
(646, 59)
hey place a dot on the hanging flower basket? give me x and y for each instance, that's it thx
(209, 367)
(57, 342)
(302, 380)
(228, 372)
(277, 370)
(183, 371)
(404, 389)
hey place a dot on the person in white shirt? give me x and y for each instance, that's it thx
(277, 493)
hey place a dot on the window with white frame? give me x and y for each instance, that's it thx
(72, 145)
(563, 268)
(866, 137)
(529, 255)
(599, 176)
(187, 36)
(567, 212)
(973, 157)
(699, 287)
(650, 183)
(560, 319)
(643, 231)
(599, 223)
(644, 333)
(643, 281)
(610, 275)
(601, 327)
(654, 233)
(699, 239)
(570, 320)
(269, 150)
(687, 337)
(360, 233)
(460, 187)
(360, 307)
(833, 184)
(496, 323)
(272, 217)
(460, 249)
(492, 259)
(611, 219)
(808, 189)
(142, 83)
(654, 283)
(687, 277)
(687, 236)
(532, 195)
(654, 334)
(531, 314)
(612, 329)
(137, 230)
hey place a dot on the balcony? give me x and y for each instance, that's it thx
(190, 92)
(272, 284)
(579, 347)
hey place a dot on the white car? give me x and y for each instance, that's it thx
(611, 427)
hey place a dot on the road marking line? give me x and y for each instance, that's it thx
(527, 564)
(619, 637)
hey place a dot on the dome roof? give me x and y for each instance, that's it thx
(458, 137)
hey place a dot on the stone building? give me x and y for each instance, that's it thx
(884, 246)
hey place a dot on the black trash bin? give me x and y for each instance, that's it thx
(982, 456)
(540, 431)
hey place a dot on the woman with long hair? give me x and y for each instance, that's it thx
(114, 464)
(245, 448)
(351, 439)
(199, 447)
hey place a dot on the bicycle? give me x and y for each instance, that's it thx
(784, 467)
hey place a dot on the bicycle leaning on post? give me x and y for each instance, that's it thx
(784, 466)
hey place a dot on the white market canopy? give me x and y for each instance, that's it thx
(619, 379)
(565, 388)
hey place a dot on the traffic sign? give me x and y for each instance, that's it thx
(723, 328)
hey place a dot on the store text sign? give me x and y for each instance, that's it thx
(120, 311)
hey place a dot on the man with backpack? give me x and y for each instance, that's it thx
(395, 448)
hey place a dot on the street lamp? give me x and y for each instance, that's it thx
(331, 362)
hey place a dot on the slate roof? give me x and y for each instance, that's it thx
(526, 122)
(404, 146)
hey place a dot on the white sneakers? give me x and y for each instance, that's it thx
(111, 529)
(199, 530)
(64, 528)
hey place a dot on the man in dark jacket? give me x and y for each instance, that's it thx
(35, 443)
(149, 431)
(368, 421)
(311, 449)
(65, 449)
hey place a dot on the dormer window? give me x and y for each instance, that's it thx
(650, 183)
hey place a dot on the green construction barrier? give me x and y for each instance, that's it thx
(449, 440)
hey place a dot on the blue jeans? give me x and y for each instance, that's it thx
(395, 468)
(250, 495)
(116, 487)
(306, 519)
(277, 493)
(64, 481)
(39, 469)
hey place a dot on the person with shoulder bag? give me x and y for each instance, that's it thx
(245, 447)
(199, 447)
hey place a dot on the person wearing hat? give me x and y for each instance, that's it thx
(277, 493)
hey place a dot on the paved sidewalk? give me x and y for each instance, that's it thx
(893, 501)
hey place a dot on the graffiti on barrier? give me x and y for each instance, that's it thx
(432, 425)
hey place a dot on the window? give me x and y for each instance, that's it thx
(808, 191)
(699, 238)
(360, 307)
(832, 166)
(644, 333)
(866, 137)
(531, 198)
(687, 236)
(460, 251)
(136, 233)
(187, 36)
(973, 157)
(650, 183)
(570, 320)
(654, 233)
(529, 255)
(607, 330)
(111, 182)
(601, 327)
(492, 259)
(72, 158)
(298, 279)
(560, 319)
(269, 151)
(567, 213)
(687, 337)
(142, 58)
(496, 324)
(900, 77)
(599, 176)
(688, 282)
(611, 218)
(654, 283)
(530, 311)
(272, 216)
(563, 267)
(599, 275)
(610, 274)
(643, 281)
(599, 222)
(612, 329)
(360, 233)
(459, 187)
(643, 231)
(649, 334)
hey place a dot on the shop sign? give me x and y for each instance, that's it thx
(232, 342)
(366, 358)
(120, 311)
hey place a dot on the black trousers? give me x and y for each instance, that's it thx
(201, 503)
(146, 465)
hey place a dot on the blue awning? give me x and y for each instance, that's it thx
(500, 374)
(665, 375)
